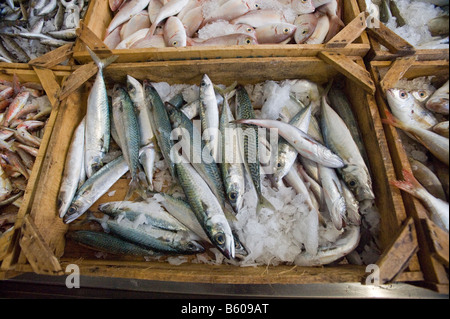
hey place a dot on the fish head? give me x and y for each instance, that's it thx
(337, 212)
(280, 168)
(192, 246)
(399, 99)
(303, 32)
(246, 29)
(235, 192)
(220, 234)
(246, 40)
(72, 213)
(359, 181)
(303, 6)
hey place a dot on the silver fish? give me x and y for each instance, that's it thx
(97, 136)
(339, 139)
(427, 179)
(72, 170)
(333, 195)
(438, 102)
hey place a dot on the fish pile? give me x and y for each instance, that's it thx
(29, 29)
(423, 23)
(24, 110)
(217, 187)
(179, 23)
(421, 112)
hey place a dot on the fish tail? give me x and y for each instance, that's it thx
(101, 63)
(263, 203)
(137, 186)
(391, 120)
(409, 184)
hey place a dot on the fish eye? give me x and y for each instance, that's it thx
(249, 30)
(422, 94)
(279, 165)
(352, 183)
(72, 210)
(304, 1)
(232, 196)
(305, 31)
(219, 238)
(403, 94)
(174, 43)
(191, 246)
(248, 41)
(286, 30)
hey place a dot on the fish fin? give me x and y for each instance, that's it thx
(264, 203)
(392, 120)
(136, 186)
(409, 184)
(101, 63)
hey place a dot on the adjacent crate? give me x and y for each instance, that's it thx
(51, 81)
(99, 16)
(376, 52)
(433, 253)
(44, 249)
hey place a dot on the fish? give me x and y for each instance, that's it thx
(72, 170)
(331, 10)
(209, 117)
(438, 102)
(435, 143)
(306, 25)
(136, 23)
(303, 6)
(320, 32)
(182, 211)
(275, 33)
(134, 210)
(207, 208)
(67, 34)
(132, 39)
(16, 105)
(160, 240)
(95, 187)
(101, 241)
(175, 33)
(126, 12)
(340, 103)
(193, 152)
(405, 107)
(303, 143)
(438, 209)
(161, 124)
(230, 10)
(171, 8)
(333, 195)
(287, 154)
(439, 26)
(97, 135)
(426, 177)
(226, 40)
(127, 126)
(339, 139)
(232, 167)
(51, 5)
(353, 216)
(5, 185)
(192, 20)
(441, 129)
(422, 95)
(249, 143)
(259, 18)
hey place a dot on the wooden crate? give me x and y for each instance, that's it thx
(433, 245)
(44, 249)
(99, 16)
(376, 52)
(51, 81)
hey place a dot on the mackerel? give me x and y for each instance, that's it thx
(209, 116)
(109, 244)
(97, 135)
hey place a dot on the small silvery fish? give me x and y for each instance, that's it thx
(405, 107)
(95, 187)
(97, 135)
(438, 102)
(435, 143)
(206, 208)
(333, 195)
(339, 139)
(72, 170)
(127, 127)
(427, 179)
(109, 244)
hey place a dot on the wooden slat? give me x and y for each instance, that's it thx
(438, 241)
(397, 72)
(36, 249)
(349, 68)
(77, 79)
(350, 33)
(54, 57)
(91, 39)
(396, 258)
(393, 42)
(49, 83)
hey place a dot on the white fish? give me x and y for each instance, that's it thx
(438, 208)
(136, 23)
(170, 9)
(259, 18)
(192, 20)
(125, 13)
(175, 33)
(275, 33)
(306, 25)
(132, 39)
(321, 31)
(303, 6)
